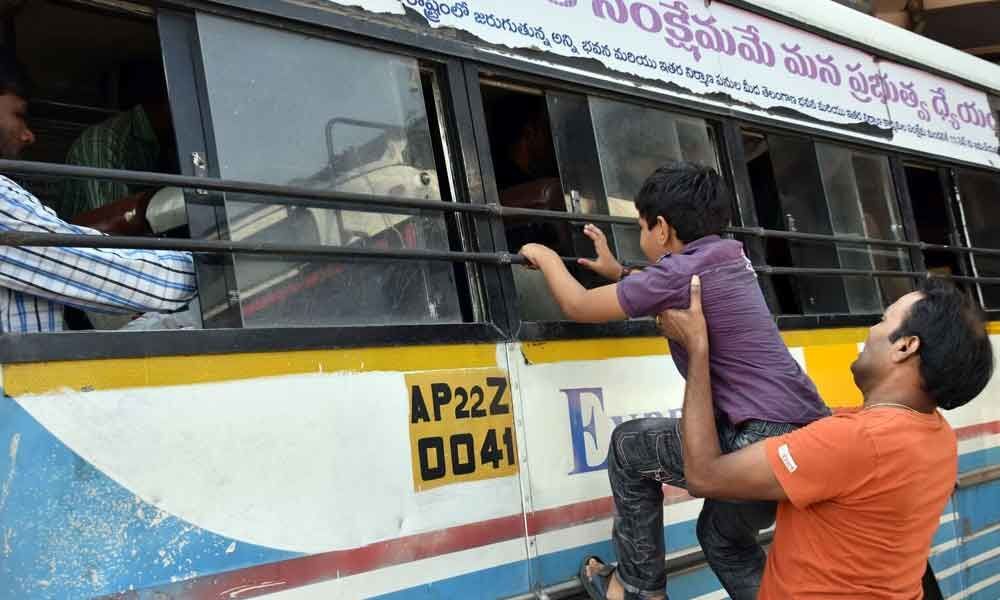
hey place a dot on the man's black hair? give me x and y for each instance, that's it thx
(13, 77)
(956, 357)
(692, 198)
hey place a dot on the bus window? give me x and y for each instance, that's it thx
(863, 202)
(800, 185)
(100, 101)
(930, 201)
(527, 176)
(788, 188)
(524, 163)
(980, 192)
(306, 112)
(602, 149)
(632, 141)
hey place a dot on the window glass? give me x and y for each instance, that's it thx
(799, 185)
(931, 201)
(981, 202)
(295, 110)
(801, 207)
(880, 208)
(632, 141)
(580, 173)
(561, 151)
(862, 202)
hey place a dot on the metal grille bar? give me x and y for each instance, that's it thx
(335, 253)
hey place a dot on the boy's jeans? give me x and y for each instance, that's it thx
(646, 453)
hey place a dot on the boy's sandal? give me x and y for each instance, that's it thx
(596, 585)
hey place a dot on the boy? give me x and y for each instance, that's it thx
(760, 390)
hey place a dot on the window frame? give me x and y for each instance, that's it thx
(181, 53)
(472, 180)
(962, 230)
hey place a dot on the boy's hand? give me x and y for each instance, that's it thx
(537, 254)
(606, 266)
(687, 327)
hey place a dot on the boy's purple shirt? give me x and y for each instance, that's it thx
(754, 376)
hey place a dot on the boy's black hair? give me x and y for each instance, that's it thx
(956, 357)
(692, 198)
(13, 77)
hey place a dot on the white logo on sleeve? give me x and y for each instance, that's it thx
(786, 457)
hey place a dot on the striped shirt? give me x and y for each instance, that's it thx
(37, 283)
(125, 141)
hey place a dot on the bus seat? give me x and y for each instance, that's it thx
(540, 194)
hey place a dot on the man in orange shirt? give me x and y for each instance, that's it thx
(860, 494)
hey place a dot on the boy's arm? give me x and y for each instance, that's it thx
(742, 475)
(598, 305)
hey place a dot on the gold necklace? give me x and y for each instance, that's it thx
(894, 405)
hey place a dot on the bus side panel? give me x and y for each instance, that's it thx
(293, 474)
(573, 393)
(969, 562)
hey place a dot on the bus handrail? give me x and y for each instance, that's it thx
(287, 251)
(310, 198)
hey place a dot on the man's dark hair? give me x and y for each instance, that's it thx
(956, 358)
(13, 77)
(692, 198)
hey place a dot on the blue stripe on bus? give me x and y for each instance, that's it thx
(978, 459)
(969, 550)
(499, 582)
(991, 592)
(978, 507)
(80, 534)
(512, 579)
(72, 532)
(983, 572)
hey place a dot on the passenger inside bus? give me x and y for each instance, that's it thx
(929, 199)
(139, 138)
(527, 173)
(38, 283)
(99, 101)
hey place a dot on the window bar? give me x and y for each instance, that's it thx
(294, 196)
(286, 251)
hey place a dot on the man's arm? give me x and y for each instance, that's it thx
(598, 305)
(119, 280)
(742, 475)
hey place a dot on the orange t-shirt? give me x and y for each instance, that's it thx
(865, 494)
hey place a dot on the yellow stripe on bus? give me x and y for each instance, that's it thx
(38, 378)
(538, 353)
(598, 349)
(828, 354)
(829, 368)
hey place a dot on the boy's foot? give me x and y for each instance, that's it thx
(601, 583)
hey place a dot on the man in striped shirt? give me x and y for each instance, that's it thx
(36, 284)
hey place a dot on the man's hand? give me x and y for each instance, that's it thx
(606, 265)
(687, 326)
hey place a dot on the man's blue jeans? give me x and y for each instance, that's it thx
(647, 453)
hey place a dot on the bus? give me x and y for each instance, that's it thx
(371, 396)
